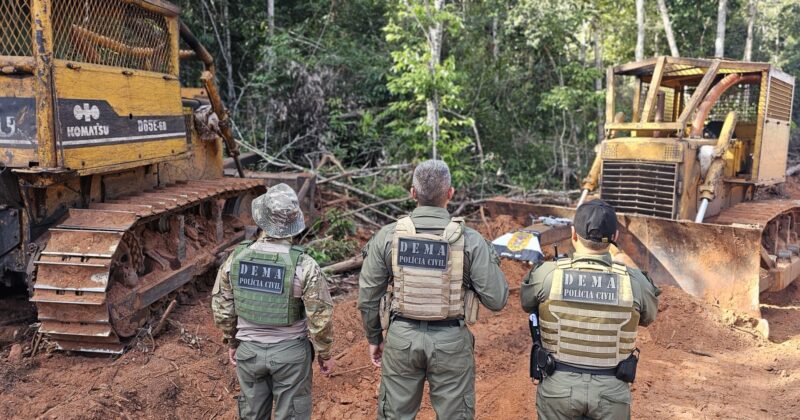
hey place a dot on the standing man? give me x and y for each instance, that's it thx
(268, 299)
(588, 309)
(421, 267)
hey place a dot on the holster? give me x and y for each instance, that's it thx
(545, 361)
(626, 369)
(542, 363)
(534, 371)
(386, 309)
(472, 305)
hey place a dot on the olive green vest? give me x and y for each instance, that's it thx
(428, 272)
(262, 286)
(589, 318)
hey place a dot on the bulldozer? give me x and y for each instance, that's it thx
(112, 200)
(693, 153)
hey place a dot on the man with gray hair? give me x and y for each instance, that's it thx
(421, 280)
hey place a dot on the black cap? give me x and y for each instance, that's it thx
(596, 221)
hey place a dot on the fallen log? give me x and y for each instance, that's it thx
(343, 266)
(367, 220)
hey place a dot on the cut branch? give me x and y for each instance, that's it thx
(379, 203)
(344, 266)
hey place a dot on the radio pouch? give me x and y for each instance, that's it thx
(626, 369)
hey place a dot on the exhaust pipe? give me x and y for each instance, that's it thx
(583, 197)
(701, 212)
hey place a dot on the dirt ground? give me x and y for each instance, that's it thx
(694, 365)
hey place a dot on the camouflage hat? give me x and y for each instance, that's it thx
(278, 212)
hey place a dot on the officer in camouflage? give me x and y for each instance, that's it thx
(268, 299)
(417, 275)
(588, 308)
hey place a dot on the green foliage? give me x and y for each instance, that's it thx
(518, 77)
(329, 250)
(391, 191)
(414, 81)
(336, 232)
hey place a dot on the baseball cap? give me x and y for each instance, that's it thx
(596, 221)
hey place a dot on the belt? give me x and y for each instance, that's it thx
(573, 369)
(439, 323)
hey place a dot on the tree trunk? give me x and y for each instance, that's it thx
(719, 43)
(751, 21)
(639, 30)
(435, 43)
(598, 82)
(229, 57)
(271, 16)
(673, 47)
(656, 46)
(495, 39)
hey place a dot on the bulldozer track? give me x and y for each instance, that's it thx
(104, 268)
(759, 213)
(778, 221)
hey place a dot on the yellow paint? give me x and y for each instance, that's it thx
(17, 87)
(120, 156)
(762, 104)
(204, 161)
(142, 93)
(647, 149)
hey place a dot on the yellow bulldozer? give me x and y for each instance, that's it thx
(693, 150)
(111, 199)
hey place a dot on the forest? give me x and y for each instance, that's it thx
(508, 92)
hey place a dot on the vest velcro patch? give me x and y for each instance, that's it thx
(422, 253)
(590, 287)
(265, 278)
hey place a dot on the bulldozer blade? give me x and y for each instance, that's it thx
(717, 263)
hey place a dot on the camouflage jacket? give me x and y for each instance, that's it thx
(315, 295)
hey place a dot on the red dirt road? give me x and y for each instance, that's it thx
(694, 365)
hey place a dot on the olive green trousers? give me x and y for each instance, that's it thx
(418, 351)
(567, 395)
(279, 372)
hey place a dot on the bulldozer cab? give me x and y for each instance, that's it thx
(89, 86)
(665, 110)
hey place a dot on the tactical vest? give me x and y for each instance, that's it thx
(428, 271)
(263, 284)
(589, 318)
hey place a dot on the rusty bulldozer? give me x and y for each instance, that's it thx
(690, 172)
(111, 200)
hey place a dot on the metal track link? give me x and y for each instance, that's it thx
(76, 270)
(758, 213)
